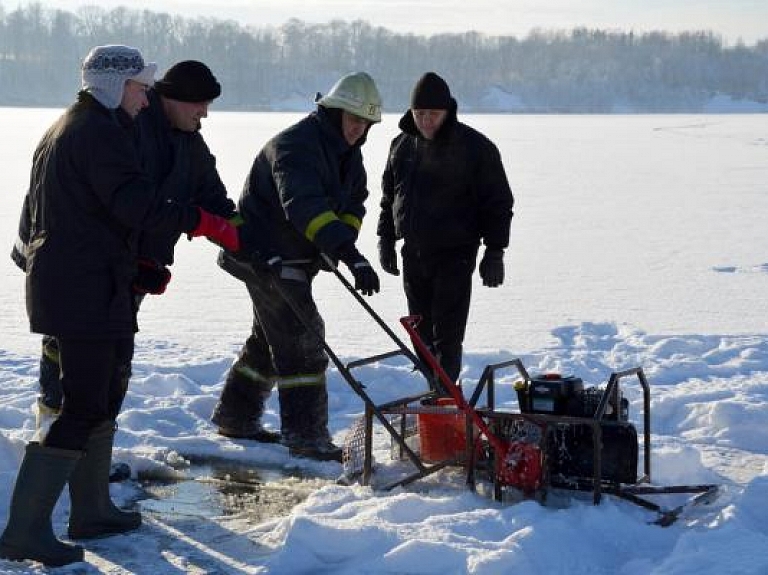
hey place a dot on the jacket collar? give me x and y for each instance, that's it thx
(86, 100)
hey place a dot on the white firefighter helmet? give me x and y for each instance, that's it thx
(357, 94)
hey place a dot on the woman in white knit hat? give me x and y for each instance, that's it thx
(88, 201)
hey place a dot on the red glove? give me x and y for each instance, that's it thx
(217, 229)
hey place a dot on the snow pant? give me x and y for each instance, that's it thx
(281, 351)
(438, 288)
(248, 386)
(94, 380)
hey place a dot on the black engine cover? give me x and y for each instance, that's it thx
(571, 449)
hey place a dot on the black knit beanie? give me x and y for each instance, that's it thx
(431, 93)
(189, 81)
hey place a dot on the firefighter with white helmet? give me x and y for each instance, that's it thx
(357, 94)
(303, 197)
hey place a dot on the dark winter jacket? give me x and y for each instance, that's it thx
(88, 201)
(447, 193)
(184, 168)
(305, 191)
(185, 171)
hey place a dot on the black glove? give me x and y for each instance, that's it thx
(492, 267)
(388, 256)
(151, 277)
(366, 280)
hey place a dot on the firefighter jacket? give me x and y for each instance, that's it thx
(185, 172)
(88, 201)
(447, 193)
(305, 191)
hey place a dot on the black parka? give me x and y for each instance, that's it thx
(88, 201)
(185, 170)
(306, 190)
(447, 193)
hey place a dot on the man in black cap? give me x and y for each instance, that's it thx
(178, 161)
(174, 152)
(444, 191)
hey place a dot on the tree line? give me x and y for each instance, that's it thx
(264, 68)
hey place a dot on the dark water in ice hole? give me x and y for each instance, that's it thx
(218, 487)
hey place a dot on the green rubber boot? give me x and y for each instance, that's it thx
(93, 514)
(29, 534)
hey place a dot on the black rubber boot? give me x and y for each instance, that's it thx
(29, 534)
(304, 423)
(93, 514)
(241, 405)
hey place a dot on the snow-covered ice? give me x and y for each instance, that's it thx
(638, 241)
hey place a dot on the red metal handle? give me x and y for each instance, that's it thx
(410, 323)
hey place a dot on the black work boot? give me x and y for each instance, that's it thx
(321, 448)
(241, 405)
(304, 423)
(29, 534)
(93, 514)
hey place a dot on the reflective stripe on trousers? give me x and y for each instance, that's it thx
(301, 380)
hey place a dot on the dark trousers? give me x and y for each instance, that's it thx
(94, 380)
(280, 344)
(50, 371)
(282, 349)
(438, 287)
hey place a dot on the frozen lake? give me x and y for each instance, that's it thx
(638, 241)
(655, 222)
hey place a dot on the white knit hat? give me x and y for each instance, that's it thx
(106, 69)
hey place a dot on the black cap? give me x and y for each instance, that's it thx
(189, 81)
(431, 93)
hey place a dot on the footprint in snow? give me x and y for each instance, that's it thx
(761, 268)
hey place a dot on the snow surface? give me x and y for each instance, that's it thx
(638, 241)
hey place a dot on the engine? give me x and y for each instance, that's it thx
(559, 450)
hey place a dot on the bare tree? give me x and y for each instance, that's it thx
(581, 70)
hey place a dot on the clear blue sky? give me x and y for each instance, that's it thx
(732, 19)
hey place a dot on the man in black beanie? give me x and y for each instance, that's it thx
(174, 152)
(186, 90)
(444, 192)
